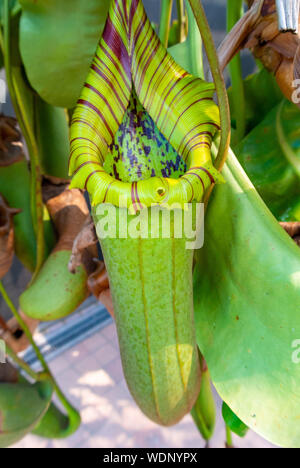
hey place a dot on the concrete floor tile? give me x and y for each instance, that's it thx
(73, 441)
(104, 441)
(95, 342)
(93, 420)
(68, 379)
(114, 370)
(88, 364)
(106, 354)
(32, 441)
(59, 365)
(110, 334)
(97, 382)
(76, 354)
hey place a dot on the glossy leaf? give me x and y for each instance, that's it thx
(58, 40)
(233, 422)
(131, 55)
(246, 291)
(270, 154)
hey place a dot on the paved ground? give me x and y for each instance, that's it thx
(92, 376)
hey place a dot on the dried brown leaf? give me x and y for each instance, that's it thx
(233, 42)
(6, 236)
(84, 245)
(297, 64)
(11, 147)
(293, 228)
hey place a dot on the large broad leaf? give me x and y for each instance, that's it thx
(247, 295)
(49, 123)
(270, 154)
(58, 40)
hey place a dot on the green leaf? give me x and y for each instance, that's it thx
(58, 40)
(246, 295)
(22, 406)
(270, 155)
(262, 93)
(48, 123)
(14, 5)
(52, 134)
(174, 33)
(233, 421)
(189, 52)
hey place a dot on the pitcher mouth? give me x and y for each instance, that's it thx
(191, 186)
(132, 173)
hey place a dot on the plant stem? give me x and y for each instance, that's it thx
(229, 442)
(212, 56)
(23, 365)
(165, 19)
(74, 417)
(180, 16)
(234, 13)
(22, 115)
